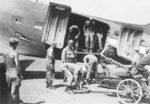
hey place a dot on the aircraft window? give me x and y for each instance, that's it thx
(16, 19)
(38, 25)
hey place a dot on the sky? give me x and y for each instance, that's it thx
(130, 11)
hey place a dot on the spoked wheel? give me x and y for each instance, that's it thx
(129, 91)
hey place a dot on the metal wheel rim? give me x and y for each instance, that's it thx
(132, 91)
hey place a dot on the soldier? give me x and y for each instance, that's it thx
(91, 63)
(68, 53)
(50, 65)
(13, 71)
(72, 73)
(136, 56)
(74, 34)
(107, 53)
(140, 66)
(89, 31)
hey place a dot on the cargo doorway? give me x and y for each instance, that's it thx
(56, 24)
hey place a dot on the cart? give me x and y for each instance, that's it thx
(130, 87)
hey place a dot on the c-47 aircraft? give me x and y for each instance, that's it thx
(36, 25)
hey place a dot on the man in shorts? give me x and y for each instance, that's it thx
(13, 71)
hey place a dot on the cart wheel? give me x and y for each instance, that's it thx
(129, 91)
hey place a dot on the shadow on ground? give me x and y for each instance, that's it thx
(41, 75)
(25, 64)
(41, 102)
(59, 85)
(108, 93)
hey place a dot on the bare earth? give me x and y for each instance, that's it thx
(33, 91)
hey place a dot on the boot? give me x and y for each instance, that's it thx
(66, 88)
(51, 87)
(47, 85)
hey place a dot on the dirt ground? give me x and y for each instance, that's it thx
(33, 90)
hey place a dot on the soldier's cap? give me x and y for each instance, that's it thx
(73, 27)
(53, 44)
(13, 41)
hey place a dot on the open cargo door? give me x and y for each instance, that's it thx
(129, 39)
(56, 24)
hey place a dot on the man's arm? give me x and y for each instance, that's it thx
(18, 65)
(63, 56)
(75, 59)
(84, 60)
(84, 27)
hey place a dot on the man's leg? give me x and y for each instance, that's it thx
(47, 84)
(69, 77)
(51, 78)
(99, 40)
(91, 42)
(14, 98)
(86, 41)
(88, 75)
(95, 69)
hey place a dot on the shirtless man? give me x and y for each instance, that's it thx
(89, 32)
(13, 71)
(91, 64)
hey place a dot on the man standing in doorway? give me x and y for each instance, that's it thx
(50, 65)
(89, 32)
(13, 71)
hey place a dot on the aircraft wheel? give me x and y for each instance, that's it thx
(129, 91)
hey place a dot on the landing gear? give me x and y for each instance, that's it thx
(129, 91)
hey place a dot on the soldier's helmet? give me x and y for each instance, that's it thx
(70, 42)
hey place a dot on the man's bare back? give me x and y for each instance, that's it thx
(13, 70)
(9, 59)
